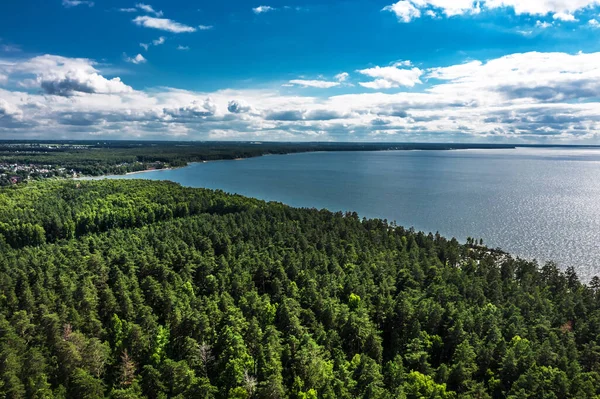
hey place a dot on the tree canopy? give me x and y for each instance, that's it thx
(139, 289)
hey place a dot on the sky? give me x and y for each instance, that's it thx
(497, 71)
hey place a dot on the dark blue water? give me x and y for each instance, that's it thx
(535, 203)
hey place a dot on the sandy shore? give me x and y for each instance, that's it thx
(147, 170)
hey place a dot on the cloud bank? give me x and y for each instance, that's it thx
(526, 97)
(564, 10)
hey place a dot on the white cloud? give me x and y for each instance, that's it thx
(138, 59)
(182, 48)
(594, 23)
(321, 84)
(543, 25)
(205, 27)
(405, 63)
(195, 109)
(342, 77)
(262, 9)
(404, 10)
(63, 76)
(519, 97)
(75, 3)
(564, 16)
(542, 7)
(8, 110)
(546, 77)
(238, 107)
(408, 10)
(131, 9)
(378, 84)
(391, 77)
(149, 9)
(163, 24)
(156, 42)
(454, 71)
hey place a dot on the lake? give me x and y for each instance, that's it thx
(541, 203)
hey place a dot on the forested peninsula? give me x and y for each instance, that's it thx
(139, 289)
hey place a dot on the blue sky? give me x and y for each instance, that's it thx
(408, 70)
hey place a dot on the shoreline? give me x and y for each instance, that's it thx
(451, 149)
(179, 167)
(525, 254)
(148, 170)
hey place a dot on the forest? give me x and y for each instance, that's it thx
(137, 289)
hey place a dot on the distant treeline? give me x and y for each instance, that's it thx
(119, 157)
(138, 289)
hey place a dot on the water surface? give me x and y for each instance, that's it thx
(541, 203)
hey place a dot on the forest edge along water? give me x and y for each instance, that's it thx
(534, 202)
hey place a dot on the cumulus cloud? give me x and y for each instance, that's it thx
(195, 109)
(391, 77)
(262, 9)
(63, 76)
(380, 122)
(138, 59)
(404, 10)
(323, 115)
(530, 96)
(594, 23)
(542, 7)
(238, 107)
(304, 115)
(564, 10)
(8, 110)
(286, 115)
(564, 16)
(342, 77)
(163, 24)
(548, 77)
(321, 84)
(75, 3)
(182, 48)
(543, 25)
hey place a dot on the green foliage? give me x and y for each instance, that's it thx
(160, 342)
(419, 386)
(354, 301)
(136, 289)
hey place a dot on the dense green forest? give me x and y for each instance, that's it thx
(138, 289)
(118, 157)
